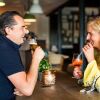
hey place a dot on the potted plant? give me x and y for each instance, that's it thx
(44, 65)
(46, 74)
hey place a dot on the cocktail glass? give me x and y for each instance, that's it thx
(77, 60)
(77, 63)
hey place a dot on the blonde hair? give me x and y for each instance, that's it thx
(94, 23)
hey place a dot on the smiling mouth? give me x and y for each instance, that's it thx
(24, 38)
(90, 42)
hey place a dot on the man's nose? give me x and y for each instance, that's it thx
(26, 31)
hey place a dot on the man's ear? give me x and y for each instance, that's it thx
(8, 30)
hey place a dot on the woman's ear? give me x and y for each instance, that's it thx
(8, 30)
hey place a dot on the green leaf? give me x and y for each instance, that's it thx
(44, 65)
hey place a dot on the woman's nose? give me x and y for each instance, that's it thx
(88, 37)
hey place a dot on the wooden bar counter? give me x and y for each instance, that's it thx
(66, 88)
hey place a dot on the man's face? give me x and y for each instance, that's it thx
(18, 31)
(93, 37)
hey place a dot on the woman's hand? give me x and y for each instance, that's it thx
(89, 52)
(77, 73)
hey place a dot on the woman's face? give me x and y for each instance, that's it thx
(93, 37)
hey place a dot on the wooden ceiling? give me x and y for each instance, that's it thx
(51, 5)
(47, 5)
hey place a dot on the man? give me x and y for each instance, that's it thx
(92, 72)
(12, 73)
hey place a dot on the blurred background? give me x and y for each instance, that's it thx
(60, 25)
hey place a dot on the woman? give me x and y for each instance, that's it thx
(92, 72)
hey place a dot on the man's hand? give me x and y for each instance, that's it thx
(38, 54)
(17, 92)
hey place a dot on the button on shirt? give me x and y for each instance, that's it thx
(10, 63)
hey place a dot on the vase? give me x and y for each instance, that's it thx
(48, 78)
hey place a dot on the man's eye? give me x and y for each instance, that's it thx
(25, 27)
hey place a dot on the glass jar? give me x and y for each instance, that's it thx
(48, 78)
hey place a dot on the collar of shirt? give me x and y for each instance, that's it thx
(14, 45)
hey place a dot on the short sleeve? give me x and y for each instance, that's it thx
(10, 62)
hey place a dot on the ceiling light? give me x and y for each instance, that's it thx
(36, 8)
(2, 3)
(29, 17)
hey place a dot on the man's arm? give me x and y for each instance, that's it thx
(25, 83)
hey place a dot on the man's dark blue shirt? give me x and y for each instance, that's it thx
(10, 63)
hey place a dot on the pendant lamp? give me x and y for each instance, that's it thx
(2, 3)
(36, 8)
(28, 17)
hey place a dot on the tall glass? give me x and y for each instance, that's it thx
(33, 44)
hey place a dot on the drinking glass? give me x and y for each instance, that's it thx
(77, 63)
(33, 44)
(77, 60)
